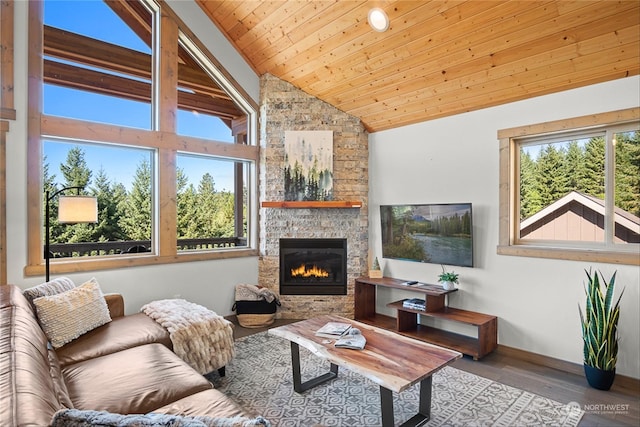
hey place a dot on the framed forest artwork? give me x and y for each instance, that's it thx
(308, 165)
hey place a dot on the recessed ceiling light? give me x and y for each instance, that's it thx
(378, 20)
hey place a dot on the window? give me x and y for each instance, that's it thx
(209, 214)
(571, 189)
(161, 136)
(96, 67)
(124, 192)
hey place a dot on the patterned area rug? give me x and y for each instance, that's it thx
(259, 378)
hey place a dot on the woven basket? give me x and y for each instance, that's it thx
(255, 320)
(256, 314)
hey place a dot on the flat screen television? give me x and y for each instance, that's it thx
(433, 233)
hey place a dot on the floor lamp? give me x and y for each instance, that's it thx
(71, 210)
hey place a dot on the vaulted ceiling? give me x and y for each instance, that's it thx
(438, 58)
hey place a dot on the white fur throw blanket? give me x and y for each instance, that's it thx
(200, 337)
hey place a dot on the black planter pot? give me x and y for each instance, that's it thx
(597, 378)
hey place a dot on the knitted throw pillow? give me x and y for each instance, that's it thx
(66, 316)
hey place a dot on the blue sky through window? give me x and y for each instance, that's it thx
(92, 18)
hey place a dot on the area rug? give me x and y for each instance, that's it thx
(259, 378)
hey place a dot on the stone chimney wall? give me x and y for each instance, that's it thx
(284, 107)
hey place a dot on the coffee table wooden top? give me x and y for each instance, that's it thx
(388, 359)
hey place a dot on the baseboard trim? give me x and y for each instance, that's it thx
(562, 365)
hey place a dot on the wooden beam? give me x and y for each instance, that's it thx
(136, 16)
(109, 84)
(100, 132)
(35, 237)
(239, 126)
(85, 50)
(140, 20)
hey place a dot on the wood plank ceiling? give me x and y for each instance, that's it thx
(438, 58)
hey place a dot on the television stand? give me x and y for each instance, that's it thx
(406, 322)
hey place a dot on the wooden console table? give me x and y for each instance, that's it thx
(406, 322)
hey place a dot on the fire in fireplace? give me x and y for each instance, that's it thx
(314, 271)
(313, 266)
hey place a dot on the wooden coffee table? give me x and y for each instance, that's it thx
(392, 361)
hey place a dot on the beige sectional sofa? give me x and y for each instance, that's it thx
(125, 366)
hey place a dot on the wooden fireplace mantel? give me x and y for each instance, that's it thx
(312, 204)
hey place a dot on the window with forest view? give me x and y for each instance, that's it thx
(581, 189)
(210, 207)
(170, 155)
(124, 197)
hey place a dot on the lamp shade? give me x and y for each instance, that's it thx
(75, 209)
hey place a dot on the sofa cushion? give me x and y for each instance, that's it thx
(76, 418)
(68, 315)
(137, 380)
(53, 287)
(209, 402)
(119, 334)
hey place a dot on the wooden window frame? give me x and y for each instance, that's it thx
(508, 242)
(8, 112)
(7, 108)
(162, 138)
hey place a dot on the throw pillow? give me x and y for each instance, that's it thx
(66, 316)
(53, 287)
(77, 418)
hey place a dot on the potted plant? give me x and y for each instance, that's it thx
(448, 279)
(376, 271)
(600, 330)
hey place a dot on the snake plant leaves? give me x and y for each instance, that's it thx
(600, 322)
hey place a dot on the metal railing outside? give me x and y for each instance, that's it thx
(80, 249)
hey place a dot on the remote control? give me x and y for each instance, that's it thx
(413, 282)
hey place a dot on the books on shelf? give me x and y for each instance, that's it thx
(414, 304)
(333, 330)
(352, 339)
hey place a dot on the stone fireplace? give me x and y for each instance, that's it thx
(284, 107)
(313, 266)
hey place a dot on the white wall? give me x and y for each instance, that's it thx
(210, 283)
(455, 159)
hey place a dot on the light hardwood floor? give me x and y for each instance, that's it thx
(619, 406)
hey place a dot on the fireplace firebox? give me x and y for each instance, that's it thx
(313, 266)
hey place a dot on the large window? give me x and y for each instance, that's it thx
(131, 107)
(571, 189)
